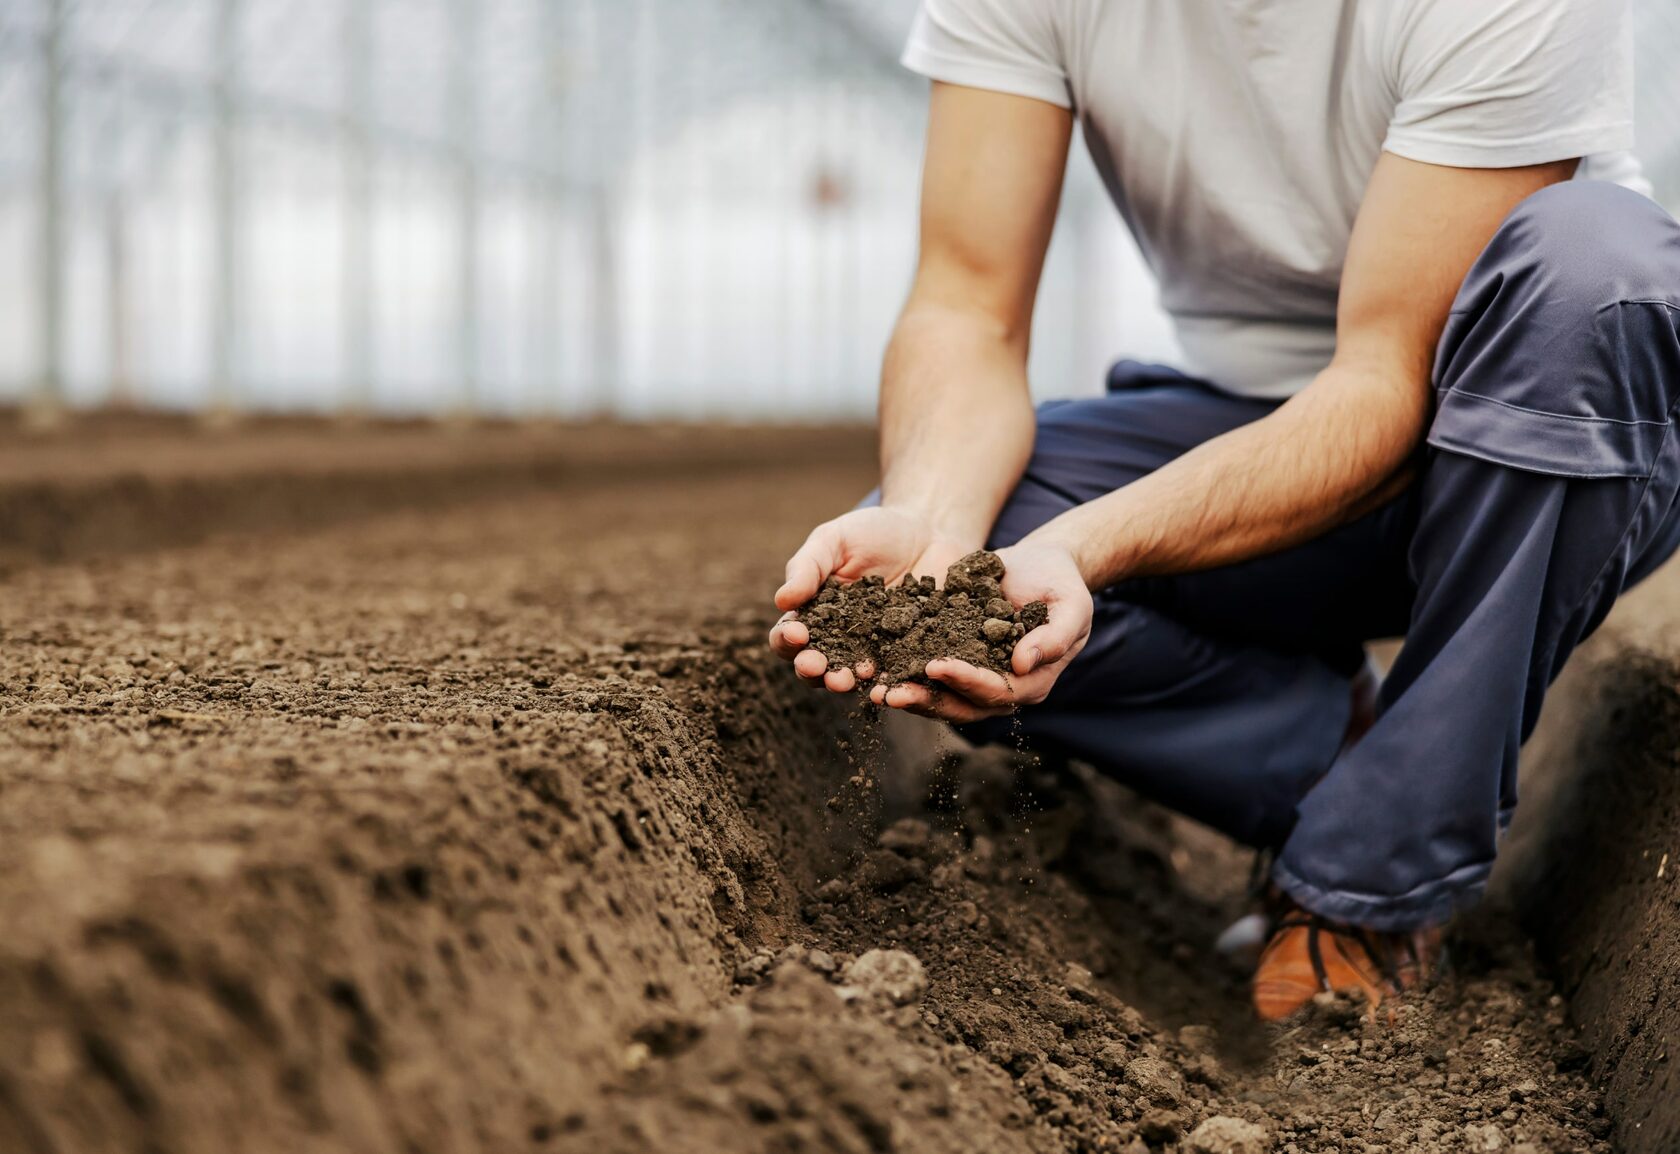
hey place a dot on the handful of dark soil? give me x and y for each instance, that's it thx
(903, 627)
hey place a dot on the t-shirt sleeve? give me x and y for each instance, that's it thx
(1503, 83)
(1008, 46)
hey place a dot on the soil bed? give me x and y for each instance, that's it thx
(497, 828)
(1594, 861)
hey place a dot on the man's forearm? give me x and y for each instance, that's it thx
(1335, 449)
(1328, 455)
(956, 420)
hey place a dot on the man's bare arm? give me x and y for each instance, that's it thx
(1334, 450)
(956, 421)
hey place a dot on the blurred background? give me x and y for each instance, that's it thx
(636, 208)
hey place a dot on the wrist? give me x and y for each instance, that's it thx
(1097, 568)
(940, 522)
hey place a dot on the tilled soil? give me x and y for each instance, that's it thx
(1595, 863)
(112, 483)
(498, 829)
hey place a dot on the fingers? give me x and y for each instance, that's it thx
(989, 690)
(790, 640)
(808, 568)
(788, 636)
(932, 701)
(1050, 642)
(963, 692)
(983, 687)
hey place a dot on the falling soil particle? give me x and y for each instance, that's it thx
(898, 629)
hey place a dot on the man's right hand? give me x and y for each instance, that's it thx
(956, 414)
(882, 542)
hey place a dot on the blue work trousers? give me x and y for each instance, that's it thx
(1546, 487)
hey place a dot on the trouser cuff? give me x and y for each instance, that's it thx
(1430, 904)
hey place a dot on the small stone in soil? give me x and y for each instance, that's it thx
(892, 975)
(1223, 1135)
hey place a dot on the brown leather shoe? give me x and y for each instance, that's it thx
(1309, 955)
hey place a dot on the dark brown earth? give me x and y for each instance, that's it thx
(896, 630)
(496, 828)
(1594, 868)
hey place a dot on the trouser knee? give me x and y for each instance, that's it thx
(1560, 355)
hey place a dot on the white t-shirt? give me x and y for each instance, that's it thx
(1236, 136)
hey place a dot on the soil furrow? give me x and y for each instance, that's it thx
(497, 828)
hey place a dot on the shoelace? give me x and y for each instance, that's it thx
(1376, 947)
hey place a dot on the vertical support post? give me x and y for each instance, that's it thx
(464, 89)
(850, 173)
(823, 211)
(47, 397)
(632, 22)
(224, 244)
(790, 168)
(603, 261)
(120, 391)
(358, 275)
(542, 389)
(120, 369)
(542, 392)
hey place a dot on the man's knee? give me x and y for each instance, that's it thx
(1561, 352)
(1588, 244)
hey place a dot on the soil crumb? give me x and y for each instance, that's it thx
(900, 628)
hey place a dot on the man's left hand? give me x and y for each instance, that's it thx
(962, 692)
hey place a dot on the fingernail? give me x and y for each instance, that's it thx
(1035, 655)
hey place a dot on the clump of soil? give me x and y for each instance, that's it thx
(900, 628)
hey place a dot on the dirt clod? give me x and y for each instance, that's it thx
(1485, 1138)
(1160, 1126)
(892, 975)
(900, 628)
(908, 836)
(1157, 1081)
(1224, 1135)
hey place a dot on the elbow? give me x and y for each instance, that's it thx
(1390, 402)
(1372, 420)
(1393, 424)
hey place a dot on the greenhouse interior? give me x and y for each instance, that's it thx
(637, 208)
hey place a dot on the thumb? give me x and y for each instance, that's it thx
(809, 568)
(1050, 642)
